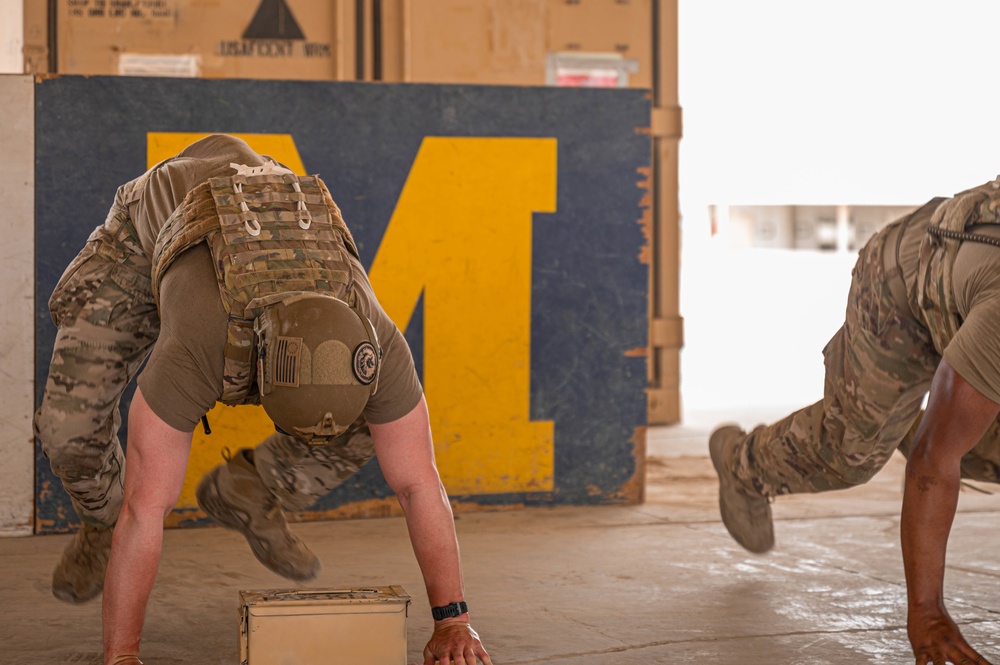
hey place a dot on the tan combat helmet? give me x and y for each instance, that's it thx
(318, 363)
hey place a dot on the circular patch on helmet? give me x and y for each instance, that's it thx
(365, 362)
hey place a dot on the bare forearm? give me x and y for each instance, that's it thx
(956, 418)
(156, 459)
(406, 455)
(929, 503)
(432, 533)
(135, 557)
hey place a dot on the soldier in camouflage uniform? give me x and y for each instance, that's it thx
(237, 282)
(922, 315)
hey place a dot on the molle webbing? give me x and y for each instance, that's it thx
(946, 232)
(270, 236)
(256, 270)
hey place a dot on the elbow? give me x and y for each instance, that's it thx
(928, 465)
(919, 457)
(428, 487)
(148, 508)
(920, 461)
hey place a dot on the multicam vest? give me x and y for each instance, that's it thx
(946, 232)
(272, 234)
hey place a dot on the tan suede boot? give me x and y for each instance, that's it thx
(79, 576)
(747, 515)
(234, 496)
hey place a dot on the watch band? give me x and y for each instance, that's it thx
(448, 611)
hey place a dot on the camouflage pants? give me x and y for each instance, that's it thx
(879, 366)
(298, 474)
(107, 324)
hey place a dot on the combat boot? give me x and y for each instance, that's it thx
(79, 576)
(234, 495)
(747, 515)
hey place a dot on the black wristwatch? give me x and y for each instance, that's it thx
(448, 611)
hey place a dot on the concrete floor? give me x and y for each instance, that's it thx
(660, 582)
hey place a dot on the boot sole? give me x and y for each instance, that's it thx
(67, 594)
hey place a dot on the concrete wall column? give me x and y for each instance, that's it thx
(17, 302)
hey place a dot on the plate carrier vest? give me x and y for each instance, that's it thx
(271, 236)
(945, 234)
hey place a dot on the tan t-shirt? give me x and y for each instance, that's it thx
(164, 186)
(182, 379)
(974, 352)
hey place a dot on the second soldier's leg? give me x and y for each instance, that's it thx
(879, 366)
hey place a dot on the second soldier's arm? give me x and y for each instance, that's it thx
(957, 417)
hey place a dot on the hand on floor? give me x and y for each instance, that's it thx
(936, 639)
(455, 643)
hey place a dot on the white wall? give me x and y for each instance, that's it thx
(755, 323)
(17, 332)
(11, 36)
(854, 101)
(787, 102)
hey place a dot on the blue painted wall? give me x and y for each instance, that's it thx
(589, 289)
